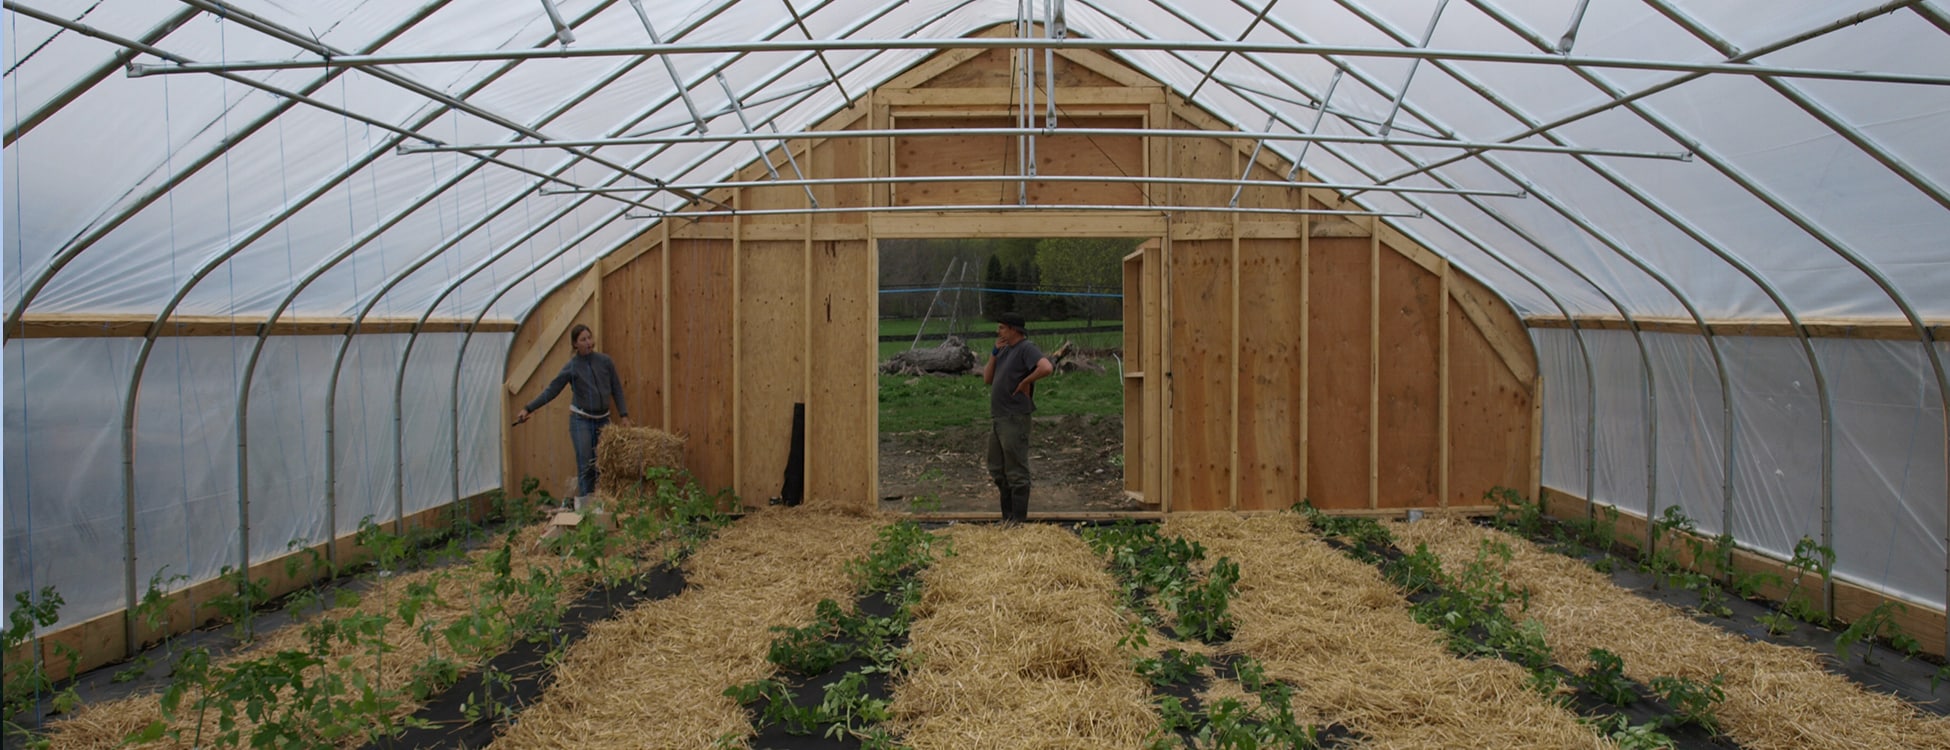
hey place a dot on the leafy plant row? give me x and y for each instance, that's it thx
(1160, 580)
(329, 690)
(852, 703)
(1471, 608)
(1712, 575)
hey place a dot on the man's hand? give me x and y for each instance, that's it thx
(623, 421)
(521, 416)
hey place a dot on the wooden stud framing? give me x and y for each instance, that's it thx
(663, 314)
(1232, 386)
(1442, 395)
(1306, 347)
(1374, 365)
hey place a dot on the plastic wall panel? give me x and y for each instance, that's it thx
(1692, 429)
(64, 470)
(287, 442)
(364, 431)
(1777, 413)
(1567, 408)
(1889, 472)
(186, 459)
(1620, 377)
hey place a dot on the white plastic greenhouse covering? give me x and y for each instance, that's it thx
(1774, 161)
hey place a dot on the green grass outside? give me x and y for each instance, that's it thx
(932, 402)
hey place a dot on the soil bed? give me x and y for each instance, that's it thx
(1077, 461)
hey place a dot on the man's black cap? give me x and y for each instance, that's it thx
(1013, 320)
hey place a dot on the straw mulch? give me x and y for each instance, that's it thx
(1342, 635)
(655, 677)
(1776, 696)
(1015, 645)
(103, 725)
(625, 453)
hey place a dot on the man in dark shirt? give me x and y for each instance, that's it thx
(1013, 368)
(591, 376)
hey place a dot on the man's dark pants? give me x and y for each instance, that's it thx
(1009, 464)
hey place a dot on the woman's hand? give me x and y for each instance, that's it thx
(623, 421)
(521, 416)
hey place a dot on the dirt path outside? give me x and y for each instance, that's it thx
(1077, 462)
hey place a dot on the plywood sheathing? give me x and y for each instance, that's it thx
(1338, 372)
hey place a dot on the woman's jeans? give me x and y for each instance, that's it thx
(583, 434)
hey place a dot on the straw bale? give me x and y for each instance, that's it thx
(1335, 629)
(625, 453)
(655, 677)
(1776, 696)
(104, 724)
(1015, 641)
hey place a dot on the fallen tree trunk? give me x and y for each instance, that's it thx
(951, 357)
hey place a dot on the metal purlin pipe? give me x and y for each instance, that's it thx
(1618, 247)
(1031, 130)
(1576, 333)
(1699, 236)
(1150, 44)
(319, 269)
(149, 343)
(81, 243)
(281, 33)
(31, 120)
(1841, 249)
(1649, 386)
(1621, 98)
(461, 358)
(1115, 179)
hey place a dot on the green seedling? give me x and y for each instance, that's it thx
(1693, 702)
(1868, 628)
(1606, 680)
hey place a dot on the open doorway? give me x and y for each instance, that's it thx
(939, 300)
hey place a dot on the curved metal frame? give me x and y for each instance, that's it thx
(1737, 63)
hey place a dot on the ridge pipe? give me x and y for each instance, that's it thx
(1623, 251)
(320, 268)
(1031, 207)
(1115, 179)
(31, 120)
(1235, 135)
(1869, 269)
(1576, 333)
(155, 328)
(273, 90)
(307, 43)
(1700, 236)
(461, 357)
(83, 241)
(1112, 45)
(1620, 98)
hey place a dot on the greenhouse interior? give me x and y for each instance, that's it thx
(1490, 373)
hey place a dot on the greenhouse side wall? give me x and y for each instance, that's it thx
(1887, 477)
(66, 526)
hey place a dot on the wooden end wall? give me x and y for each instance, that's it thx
(1270, 356)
